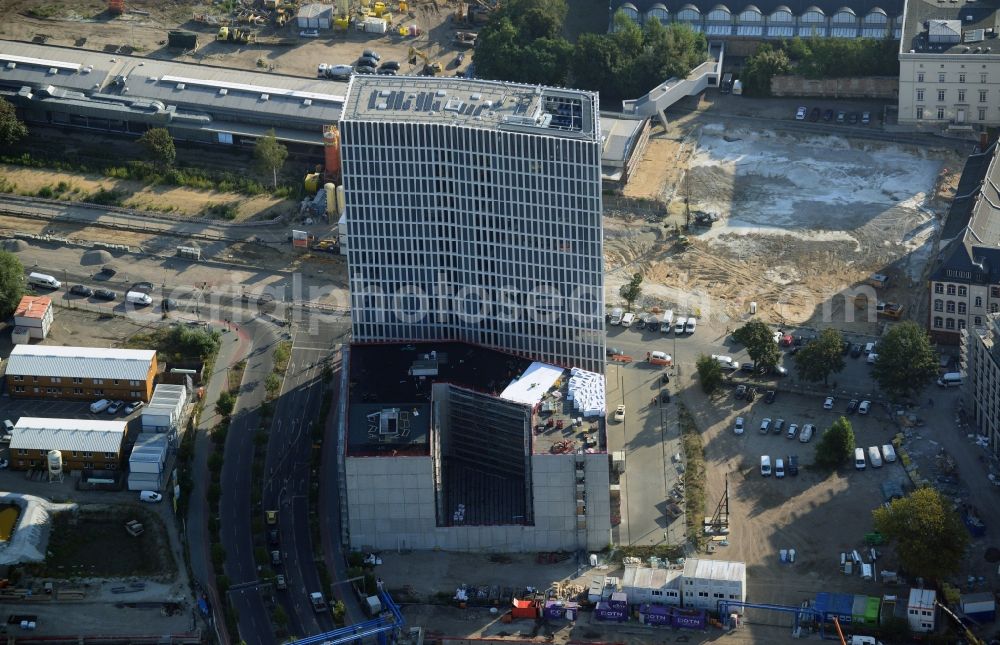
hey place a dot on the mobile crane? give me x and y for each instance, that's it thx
(431, 68)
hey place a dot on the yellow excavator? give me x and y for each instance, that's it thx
(431, 68)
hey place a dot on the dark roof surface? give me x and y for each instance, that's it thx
(974, 221)
(983, 16)
(767, 7)
(380, 379)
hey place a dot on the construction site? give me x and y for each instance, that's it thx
(729, 214)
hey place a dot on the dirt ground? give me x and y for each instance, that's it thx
(801, 217)
(183, 201)
(87, 24)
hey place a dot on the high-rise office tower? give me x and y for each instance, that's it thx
(474, 215)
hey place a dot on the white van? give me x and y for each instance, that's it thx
(951, 379)
(138, 298)
(668, 321)
(725, 362)
(628, 319)
(692, 323)
(874, 457)
(99, 406)
(679, 326)
(43, 280)
(616, 316)
(859, 458)
(765, 466)
(869, 348)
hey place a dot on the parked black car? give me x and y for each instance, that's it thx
(770, 396)
(143, 287)
(793, 465)
(751, 394)
(104, 294)
(856, 350)
(80, 290)
(741, 391)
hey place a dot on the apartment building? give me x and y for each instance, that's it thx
(85, 373)
(474, 215)
(965, 280)
(948, 64)
(981, 365)
(84, 444)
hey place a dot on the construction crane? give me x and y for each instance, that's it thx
(431, 68)
(969, 636)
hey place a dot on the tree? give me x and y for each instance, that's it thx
(631, 290)
(906, 362)
(822, 357)
(929, 537)
(11, 128)
(596, 65)
(759, 341)
(836, 445)
(270, 154)
(159, 146)
(225, 404)
(709, 373)
(761, 67)
(11, 283)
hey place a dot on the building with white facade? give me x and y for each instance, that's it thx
(965, 280)
(698, 584)
(34, 316)
(921, 610)
(474, 215)
(981, 384)
(948, 64)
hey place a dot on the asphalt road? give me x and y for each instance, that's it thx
(287, 470)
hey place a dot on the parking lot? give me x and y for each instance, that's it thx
(818, 514)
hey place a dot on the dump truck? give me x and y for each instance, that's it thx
(318, 602)
(235, 35)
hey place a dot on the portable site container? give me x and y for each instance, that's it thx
(604, 611)
(840, 605)
(858, 608)
(871, 610)
(980, 607)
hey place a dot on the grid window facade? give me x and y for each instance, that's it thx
(486, 236)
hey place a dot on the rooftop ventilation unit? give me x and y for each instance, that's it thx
(181, 86)
(223, 91)
(11, 65)
(264, 97)
(381, 106)
(53, 71)
(440, 93)
(307, 102)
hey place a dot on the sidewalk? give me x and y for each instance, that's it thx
(231, 352)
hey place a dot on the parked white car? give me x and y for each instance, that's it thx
(150, 496)
(828, 404)
(807, 433)
(888, 453)
(864, 407)
(690, 326)
(738, 428)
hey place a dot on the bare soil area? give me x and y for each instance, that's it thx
(170, 199)
(800, 218)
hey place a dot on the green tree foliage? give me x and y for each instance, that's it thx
(270, 155)
(523, 42)
(631, 290)
(929, 537)
(906, 362)
(11, 128)
(709, 373)
(159, 145)
(761, 67)
(844, 57)
(836, 445)
(11, 283)
(822, 357)
(225, 404)
(759, 341)
(191, 342)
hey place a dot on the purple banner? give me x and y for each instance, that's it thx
(604, 612)
(554, 611)
(655, 618)
(689, 621)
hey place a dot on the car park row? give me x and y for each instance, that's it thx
(840, 116)
(665, 323)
